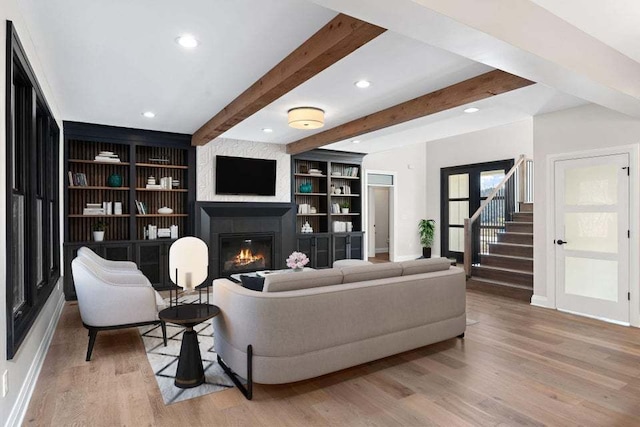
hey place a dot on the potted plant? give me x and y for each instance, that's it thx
(98, 231)
(344, 207)
(427, 228)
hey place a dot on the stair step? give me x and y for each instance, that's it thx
(526, 207)
(505, 275)
(519, 227)
(507, 261)
(504, 289)
(513, 249)
(520, 238)
(522, 216)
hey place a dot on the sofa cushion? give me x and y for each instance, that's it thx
(426, 265)
(290, 280)
(362, 273)
(342, 263)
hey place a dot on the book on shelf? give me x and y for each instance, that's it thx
(335, 208)
(107, 156)
(93, 211)
(350, 171)
(153, 187)
(77, 179)
(141, 207)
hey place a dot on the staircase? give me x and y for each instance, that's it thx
(509, 261)
(498, 237)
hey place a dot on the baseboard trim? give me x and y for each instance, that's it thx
(540, 301)
(603, 319)
(382, 250)
(16, 417)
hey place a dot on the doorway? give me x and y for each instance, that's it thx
(592, 236)
(462, 190)
(379, 247)
(381, 199)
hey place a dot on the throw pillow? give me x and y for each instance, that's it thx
(253, 283)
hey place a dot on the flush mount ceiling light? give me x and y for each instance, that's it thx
(267, 130)
(471, 110)
(306, 118)
(149, 114)
(187, 41)
(362, 84)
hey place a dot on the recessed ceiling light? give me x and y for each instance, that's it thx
(187, 41)
(356, 141)
(471, 110)
(149, 114)
(267, 130)
(362, 84)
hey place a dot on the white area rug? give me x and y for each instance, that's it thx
(164, 360)
(471, 322)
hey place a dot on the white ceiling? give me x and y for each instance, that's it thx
(499, 110)
(107, 62)
(399, 69)
(616, 23)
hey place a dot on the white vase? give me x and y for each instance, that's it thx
(98, 236)
(345, 210)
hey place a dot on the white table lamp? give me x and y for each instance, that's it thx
(188, 262)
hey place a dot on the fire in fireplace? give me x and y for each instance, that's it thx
(241, 254)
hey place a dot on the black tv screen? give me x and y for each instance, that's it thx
(241, 175)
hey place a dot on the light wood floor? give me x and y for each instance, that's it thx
(379, 258)
(519, 365)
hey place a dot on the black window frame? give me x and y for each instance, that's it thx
(37, 143)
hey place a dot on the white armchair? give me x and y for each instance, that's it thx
(105, 264)
(113, 300)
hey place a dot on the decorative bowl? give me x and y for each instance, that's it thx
(165, 211)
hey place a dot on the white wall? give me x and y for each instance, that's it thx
(381, 197)
(232, 147)
(25, 365)
(410, 164)
(577, 129)
(499, 143)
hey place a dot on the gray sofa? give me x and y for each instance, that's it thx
(308, 324)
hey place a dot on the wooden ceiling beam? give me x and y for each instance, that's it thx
(483, 86)
(337, 39)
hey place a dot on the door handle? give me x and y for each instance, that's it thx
(561, 242)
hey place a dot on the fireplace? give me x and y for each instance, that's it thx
(245, 253)
(271, 227)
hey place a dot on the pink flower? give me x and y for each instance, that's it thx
(297, 260)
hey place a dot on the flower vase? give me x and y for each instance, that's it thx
(298, 269)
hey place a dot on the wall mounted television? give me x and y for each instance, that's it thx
(245, 176)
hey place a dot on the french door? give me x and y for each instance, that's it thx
(462, 190)
(592, 236)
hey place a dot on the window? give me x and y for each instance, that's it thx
(33, 235)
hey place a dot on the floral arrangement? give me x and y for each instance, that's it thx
(297, 260)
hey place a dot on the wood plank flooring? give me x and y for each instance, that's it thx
(519, 365)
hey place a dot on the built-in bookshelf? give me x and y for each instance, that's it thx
(323, 184)
(107, 177)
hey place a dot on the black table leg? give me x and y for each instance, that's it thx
(190, 372)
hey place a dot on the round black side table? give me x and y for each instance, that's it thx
(190, 372)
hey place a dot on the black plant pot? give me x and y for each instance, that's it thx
(426, 252)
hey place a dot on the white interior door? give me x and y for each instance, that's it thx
(591, 236)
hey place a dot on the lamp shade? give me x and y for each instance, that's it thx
(306, 118)
(188, 262)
